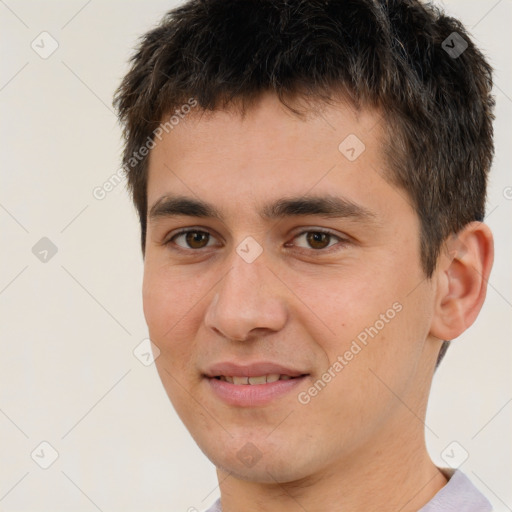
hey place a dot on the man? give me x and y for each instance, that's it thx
(310, 178)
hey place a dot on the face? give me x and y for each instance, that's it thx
(276, 249)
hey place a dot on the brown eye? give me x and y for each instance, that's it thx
(318, 239)
(193, 239)
(197, 239)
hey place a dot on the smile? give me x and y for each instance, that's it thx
(262, 379)
(255, 391)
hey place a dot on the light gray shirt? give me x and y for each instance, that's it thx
(458, 495)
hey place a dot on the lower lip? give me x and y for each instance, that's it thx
(253, 395)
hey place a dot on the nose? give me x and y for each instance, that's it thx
(249, 301)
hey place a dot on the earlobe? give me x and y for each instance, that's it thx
(462, 275)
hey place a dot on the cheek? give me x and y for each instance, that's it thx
(167, 315)
(372, 317)
(171, 309)
(344, 303)
(169, 297)
(156, 304)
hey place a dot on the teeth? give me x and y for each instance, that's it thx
(258, 380)
(262, 379)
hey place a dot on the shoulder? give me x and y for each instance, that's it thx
(459, 494)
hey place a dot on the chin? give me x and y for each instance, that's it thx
(272, 472)
(268, 465)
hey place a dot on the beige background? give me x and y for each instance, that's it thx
(69, 325)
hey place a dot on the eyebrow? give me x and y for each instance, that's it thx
(326, 206)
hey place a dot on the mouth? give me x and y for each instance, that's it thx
(257, 391)
(253, 384)
(254, 381)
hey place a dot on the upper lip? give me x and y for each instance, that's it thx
(232, 369)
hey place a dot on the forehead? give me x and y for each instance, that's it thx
(270, 152)
(268, 120)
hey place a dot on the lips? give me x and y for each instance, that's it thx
(244, 373)
(253, 381)
(253, 385)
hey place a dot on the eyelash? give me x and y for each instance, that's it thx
(325, 250)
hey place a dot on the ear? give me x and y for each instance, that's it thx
(462, 274)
